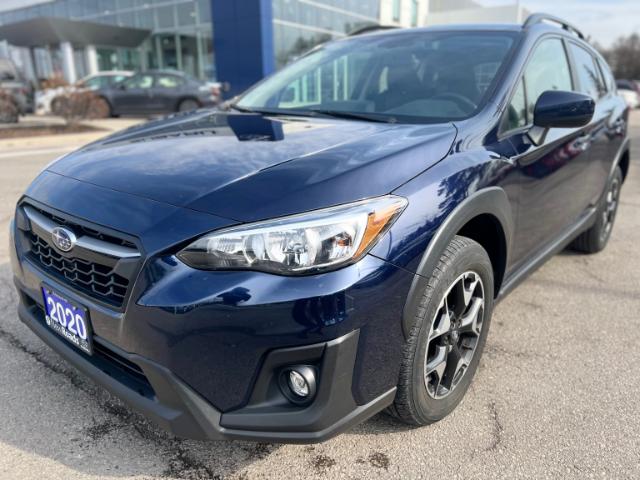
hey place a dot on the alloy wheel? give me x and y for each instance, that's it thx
(610, 208)
(454, 334)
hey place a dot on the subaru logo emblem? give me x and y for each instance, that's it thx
(63, 239)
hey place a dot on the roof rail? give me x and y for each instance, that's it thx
(370, 28)
(536, 18)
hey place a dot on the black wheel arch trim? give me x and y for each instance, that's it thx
(492, 201)
(625, 148)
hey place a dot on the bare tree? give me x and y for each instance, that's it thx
(624, 57)
(77, 106)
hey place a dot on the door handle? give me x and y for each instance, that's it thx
(618, 126)
(583, 142)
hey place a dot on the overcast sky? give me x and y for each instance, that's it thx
(603, 20)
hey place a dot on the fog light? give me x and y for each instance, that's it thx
(299, 383)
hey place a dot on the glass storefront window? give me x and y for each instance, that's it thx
(208, 69)
(181, 33)
(300, 26)
(396, 10)
(107, 58)
(168, 51)
(414, 13)
(204, 11)
(186, 14)
(165, 17)
(79, 60)
(130, 59)
(189, 55)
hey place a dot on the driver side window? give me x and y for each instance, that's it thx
(548, 69)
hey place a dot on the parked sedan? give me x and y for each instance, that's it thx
(156, 92)
(630, 91)
(333, 243)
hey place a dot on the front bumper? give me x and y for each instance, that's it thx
(200, 352)
(180, 410)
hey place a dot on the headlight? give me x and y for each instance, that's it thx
(315, 241)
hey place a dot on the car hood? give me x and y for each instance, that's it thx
(248, 167)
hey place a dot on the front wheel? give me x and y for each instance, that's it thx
(448, 334)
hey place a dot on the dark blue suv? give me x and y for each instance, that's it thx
(332, 243)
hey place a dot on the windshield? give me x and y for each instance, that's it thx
(418, 76)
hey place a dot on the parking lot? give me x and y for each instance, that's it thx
(556, 395)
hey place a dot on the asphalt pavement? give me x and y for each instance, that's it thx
(557, 393)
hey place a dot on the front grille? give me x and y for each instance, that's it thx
(83, 230)
(97, 280)
(91, 269)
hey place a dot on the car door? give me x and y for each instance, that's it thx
(134, 95)
(551, 174)
(608, 127)
(167, 91)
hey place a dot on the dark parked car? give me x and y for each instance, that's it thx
(628, 85)
(14, 83)
(159, 92)
(333, 243)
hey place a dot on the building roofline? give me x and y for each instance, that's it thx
(42, 31)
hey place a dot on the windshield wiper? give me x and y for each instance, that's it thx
(272, 111)
(312, 112)
(370, 117)
(234, 106)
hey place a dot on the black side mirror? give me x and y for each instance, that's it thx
(559, 109)
(122, 87)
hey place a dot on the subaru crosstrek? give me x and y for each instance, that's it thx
(331, 243)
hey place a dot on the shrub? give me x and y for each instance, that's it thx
(9, 110)
(54, 82)
(81, 106)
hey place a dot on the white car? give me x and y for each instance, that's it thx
(630, 96)
(45, 99)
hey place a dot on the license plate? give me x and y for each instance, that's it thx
(68, 320)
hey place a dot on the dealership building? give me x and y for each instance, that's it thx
(236, 41)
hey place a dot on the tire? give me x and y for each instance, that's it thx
(103, 108)
(596, 238)
(187, 105)
(57, 104)
(422, 397)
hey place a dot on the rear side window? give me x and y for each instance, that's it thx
(139, 81)
(609, 81)
(548, 69)
(590, 81)
(168, 81)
